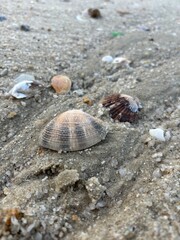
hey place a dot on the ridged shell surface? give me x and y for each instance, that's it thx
(122, 107)
(72, 131)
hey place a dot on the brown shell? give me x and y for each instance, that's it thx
(71, 131)
(123, 108)
(94, 12)
(61, 84)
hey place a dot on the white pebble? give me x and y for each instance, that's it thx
(122, 171)
(157, 173)
(107, 59)
(167, 135)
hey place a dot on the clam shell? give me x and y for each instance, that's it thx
(72, 131)
(122, 107)
(61, 84)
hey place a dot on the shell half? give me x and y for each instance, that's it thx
(61, 84)
(72, 131)
(122, 107)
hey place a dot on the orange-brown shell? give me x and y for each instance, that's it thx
(61, 84)
(122, 107)
(72, 131)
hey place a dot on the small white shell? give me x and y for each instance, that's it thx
(121, 60)
(157, 133)
(107, 59)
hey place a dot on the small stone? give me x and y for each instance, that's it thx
(107, 59)
(61, 234)
(38, 236)
(23, 103)
(122, 171)
(66, 178)
(25, 28)
(15, 69)
(11, 115)
(157, 155)
(157, 173)
(167, 135)
(3, 139)
(114, 163)
(2, 18)
(4, 72)
(79, 92)
(100, 204)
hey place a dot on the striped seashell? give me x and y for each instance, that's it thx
(123, 108)
(72, 131)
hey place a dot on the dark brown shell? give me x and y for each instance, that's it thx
(94, 12)
(123, 108)
(71, 131)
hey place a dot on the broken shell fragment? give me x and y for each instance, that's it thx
(160, 134)
(61, 84)
(24, 89)
(123, 108)
(157, 133)
(121, 60)
(72, 131)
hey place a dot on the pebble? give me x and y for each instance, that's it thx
(157, 155)
(144, 28)
(2, 18)
(122, 171)
(23, 103)
(25, 28)
(79, 92)
(66, 178)
(11, 115)
(38, 236)
(114, 163)
(4, 72)
(157, 173)
(107, 59)
(3, 139)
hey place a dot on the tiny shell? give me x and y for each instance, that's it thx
(107, 59)
(72, 131)
(94, 13)
(123, 108)
(121, 60)
(61, 84)
(158, 134)
(87, 100)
